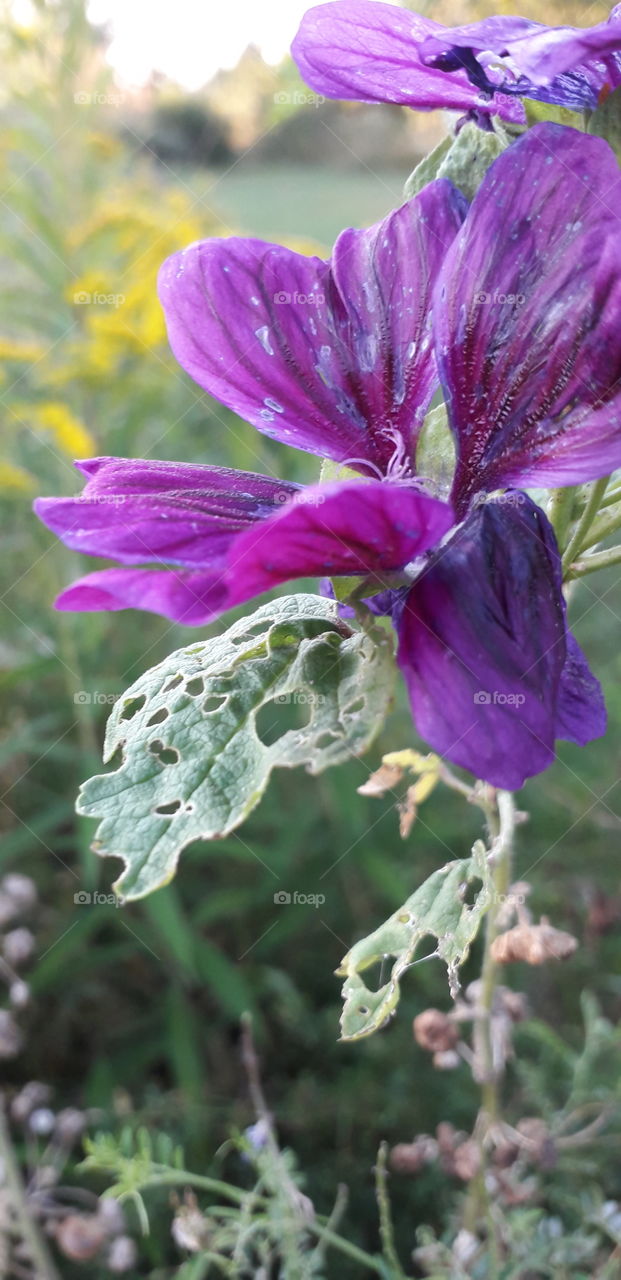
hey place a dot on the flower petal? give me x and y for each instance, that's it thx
(354, 528)
(526, 318)
(482, 646)
(331, 358)
(536, 51)
(140, 511)
(369, 51)
(581, 710)
(190, 598)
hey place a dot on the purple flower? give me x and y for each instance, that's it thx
(338, 358)
(375, 52)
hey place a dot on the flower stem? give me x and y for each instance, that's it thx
(599, 560)
(40, 1257)
(559, 512)
(591, 508)
(489, 1068)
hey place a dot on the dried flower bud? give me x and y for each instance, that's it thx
(534, 943)
(505, 1154)
(446, 1060)
(467, 1160)
(465, 1248)
(122, 1255)
(434, 1031)
(514, 1003)
(19, 994)
(11, 1038)
(190, 1230)
(41, 1121)
(8, 909)
(383, 780)
(21, 889)
(70, 1125)
(538, 1142)
(34, 1094)
(110, 1212)
(80, 1236)
(409, 1157)
(18, 946)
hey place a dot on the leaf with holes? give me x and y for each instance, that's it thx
(193, 765)
(440, 909)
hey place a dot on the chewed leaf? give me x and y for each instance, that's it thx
(438, 908)
(193, 763)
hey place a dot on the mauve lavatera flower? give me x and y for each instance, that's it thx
(375, 52)
(514, 303)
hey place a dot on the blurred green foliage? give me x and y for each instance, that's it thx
(136, 1011)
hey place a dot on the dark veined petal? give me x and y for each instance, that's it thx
(354, 528)
(369, 51)
(483, 648)
(190, 598)
(137, 511)
(350, 528)
(537, 52)
(527, 318)
(332, 358)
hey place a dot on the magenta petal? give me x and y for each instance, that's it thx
(538, 52)
(351, 528)
(483, 647)
(190, 598)
(369, 51)
(527, 318)
(139, 511)
(331, 358)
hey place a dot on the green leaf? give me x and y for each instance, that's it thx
(427, 169)
(605, 122)
(465, 160)
(438, 908)
(542, 112)
(435, 451)
(193, 766)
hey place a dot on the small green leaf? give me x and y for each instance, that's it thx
(427, 169)
(465, 160)
(435, 451)
(605, 122)
(438, 908)
(193, 766)
(548, 112)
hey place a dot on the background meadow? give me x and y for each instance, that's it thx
(133, 1014)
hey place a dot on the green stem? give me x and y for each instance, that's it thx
(383, 1203)
(577, 541)
(37, 1248)
(600, 560)
(560, 507)
(501, 823)
(603, 527)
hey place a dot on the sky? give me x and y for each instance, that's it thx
(190, 40)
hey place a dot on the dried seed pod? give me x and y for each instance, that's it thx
(41, 1121)
(11, 1038)
(21, 889)
(409, 1157)
(533, 943)
(190, 1229)
(467, 1160)
(446, 1060)
(80, 1236)
(18, 946)
(435, 1031)
(383, 780)
(70, 1125)
(539, 1143)
(122, 1255)
(19, 994)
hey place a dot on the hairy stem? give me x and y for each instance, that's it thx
(11, 1175)
(489, 1069)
